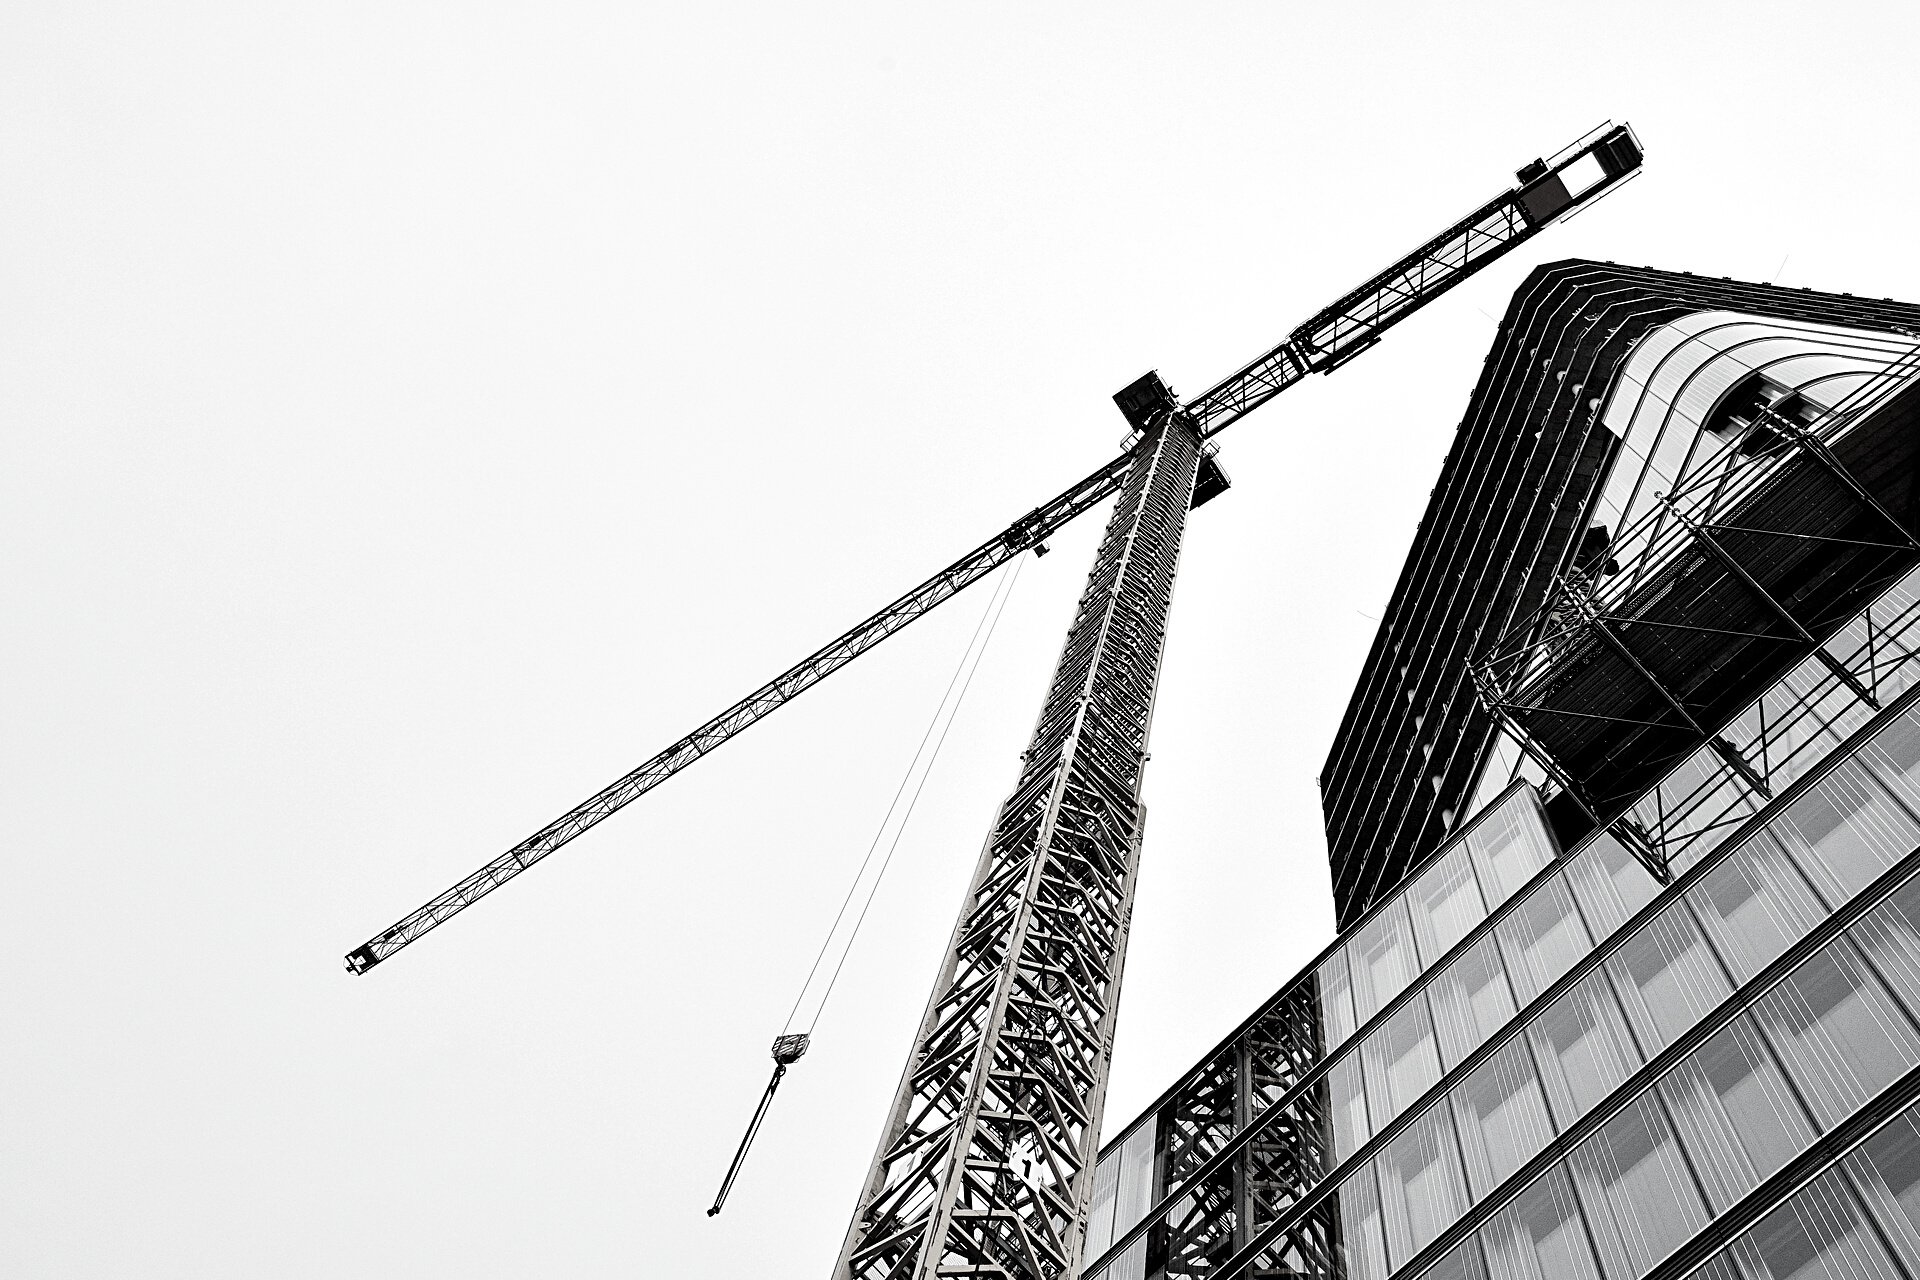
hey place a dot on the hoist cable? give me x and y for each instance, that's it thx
(962, 677)
(925, 774)
(788, 1046)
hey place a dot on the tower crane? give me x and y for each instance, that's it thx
(985, 1165)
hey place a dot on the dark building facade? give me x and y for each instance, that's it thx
(1624, 829)
(1511, 506)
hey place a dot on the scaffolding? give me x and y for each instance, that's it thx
(1662, 657)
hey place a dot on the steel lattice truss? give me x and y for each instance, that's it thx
(1221, 1204)
(776, 693)
(986, 1164)
(1351, 325)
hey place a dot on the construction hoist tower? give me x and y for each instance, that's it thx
(985, 1165)
(998, 1112)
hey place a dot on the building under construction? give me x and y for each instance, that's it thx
(1623, 820)
(1623, 823)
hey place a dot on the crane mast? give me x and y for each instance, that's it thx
(984, 1167)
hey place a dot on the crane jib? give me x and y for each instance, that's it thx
(1023, 533)
(1548, 191)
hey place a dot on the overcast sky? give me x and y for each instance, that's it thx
(415, 416)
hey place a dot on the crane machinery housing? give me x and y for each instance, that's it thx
(985, 1162)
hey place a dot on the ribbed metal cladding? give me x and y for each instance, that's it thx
(986, 1164)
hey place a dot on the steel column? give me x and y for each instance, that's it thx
(986, 1164)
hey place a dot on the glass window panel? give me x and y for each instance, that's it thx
(1697, 806)
(1501, 1115)
(1795, 737)
(1470, 1000)
(1106, 1178)
(1510, 846)
(1361, 1242)
(1666, 978)
(1421, 1191)
(1122, 1194)
(1837, 708)
(1736, 1115)
(1134, 1194)
(1754, 905)
(1897, 670)
(1446, 904)
(1461, 1263)
(1890, 935)
(1796, 742)
(1894, 756)
(1400, 1060)
(1639, 1198)
(1101, 1211)
(1839, 1033)
(1541, 939)
(1719, 1267)
(1382, 959)
(1539, 1235)
(1849, 642)
(1609, 884)
(1719, 813)
(1336, 999)
(1820, 1234)
(1664, 810)
(1130, 1264)
(1582, 1047)
(1886, 1168)
(1846, 831)
(1347, 1103)
(1892, 661)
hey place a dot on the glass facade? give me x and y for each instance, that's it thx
(1537, 1063)
(1673, 1098)
(1798, 723)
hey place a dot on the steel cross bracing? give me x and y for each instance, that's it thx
(1221, 1203)
(986, 1164)
(1239, 1139)
(1332, 337)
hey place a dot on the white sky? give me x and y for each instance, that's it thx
(417, 415)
